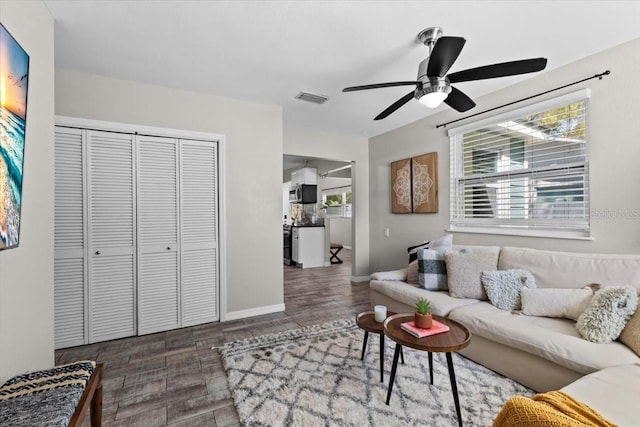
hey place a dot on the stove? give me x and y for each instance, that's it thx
(286, 233)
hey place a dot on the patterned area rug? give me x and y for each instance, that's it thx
(314, 377)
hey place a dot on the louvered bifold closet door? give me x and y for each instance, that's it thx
(111, 216)
(157, 234)
(69, 237)
(199, 242)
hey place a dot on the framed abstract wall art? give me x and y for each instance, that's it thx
(414, 184)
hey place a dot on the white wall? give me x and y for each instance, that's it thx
(614, 156)
(26, 272)
(253, 168)
(340, 231)
(313, 143)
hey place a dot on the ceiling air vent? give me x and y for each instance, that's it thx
(310, 97)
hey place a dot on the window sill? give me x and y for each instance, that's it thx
(572, 235)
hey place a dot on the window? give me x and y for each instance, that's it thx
(337, 202)
(523, 172)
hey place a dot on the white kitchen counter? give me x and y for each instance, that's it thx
(308, 246)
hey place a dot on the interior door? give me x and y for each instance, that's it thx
(158, 263)
(199, 233)
(111, 236)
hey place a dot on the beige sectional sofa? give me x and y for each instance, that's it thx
(542, 353)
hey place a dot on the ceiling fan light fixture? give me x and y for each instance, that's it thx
(433, 99)
(432, 96)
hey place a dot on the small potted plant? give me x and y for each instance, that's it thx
(423, 318)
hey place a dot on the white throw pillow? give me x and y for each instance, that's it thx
(443, 243)
(551, 302)
(503, 287)
(607, 313)
(412, 273)
(464, 271)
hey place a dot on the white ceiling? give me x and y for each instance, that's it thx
(268, 51)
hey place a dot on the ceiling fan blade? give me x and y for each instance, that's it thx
(444, 54)
(393, 107)
(379, 85)
(503, 69)
(459, 101)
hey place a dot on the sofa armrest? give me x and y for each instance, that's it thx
(396, 275)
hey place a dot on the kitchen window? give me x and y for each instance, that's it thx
(523, 172)
(336, 202)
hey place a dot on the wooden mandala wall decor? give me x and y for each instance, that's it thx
(414, 184)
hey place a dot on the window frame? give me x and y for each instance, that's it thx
(582, 228)
(346, 208)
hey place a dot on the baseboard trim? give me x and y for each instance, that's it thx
(251, 312)
(358, 279)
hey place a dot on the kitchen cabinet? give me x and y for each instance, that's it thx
(307, 176)
(307, 246)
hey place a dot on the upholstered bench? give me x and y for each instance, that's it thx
(54, 397)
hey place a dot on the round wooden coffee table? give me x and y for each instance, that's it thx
(457, 338)
(367, 322)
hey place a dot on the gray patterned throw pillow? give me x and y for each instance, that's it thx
(432, 270)
(503, 287)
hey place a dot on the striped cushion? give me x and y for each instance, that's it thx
(44, 398)
(72, 374)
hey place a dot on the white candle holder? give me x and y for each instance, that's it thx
(380, 313)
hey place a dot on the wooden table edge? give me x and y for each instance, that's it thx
(409, 316)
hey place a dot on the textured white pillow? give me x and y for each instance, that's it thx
(607, 313)
(464, 271)
(442, 243)
(551, 302)
(412, 273)
(503, 287)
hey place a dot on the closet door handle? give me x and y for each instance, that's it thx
(97, 252)
(168, 248)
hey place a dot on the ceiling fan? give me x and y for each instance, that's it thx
(433, 84)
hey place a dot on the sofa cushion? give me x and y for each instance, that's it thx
(565, 303)
(613, 392)
(607, 313)
(503, 287)
(572, 270)
(631, 333)
(432, 270)
(441, 302)
(464, 271)
(553, 339)
(475, 249)
(400, 274)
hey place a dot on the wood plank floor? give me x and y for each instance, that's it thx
(176, 378)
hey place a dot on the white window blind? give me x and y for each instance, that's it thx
(524, 172)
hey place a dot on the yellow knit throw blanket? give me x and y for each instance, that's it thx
(551, 409)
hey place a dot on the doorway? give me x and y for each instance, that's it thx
(334, 207)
